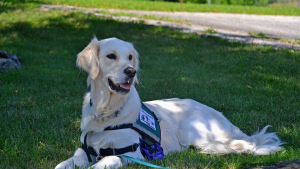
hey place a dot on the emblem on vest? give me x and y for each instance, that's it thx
(147, 119)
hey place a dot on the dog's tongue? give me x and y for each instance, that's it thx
(126, 86)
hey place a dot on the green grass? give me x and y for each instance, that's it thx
(285, 4)
(264, 36)
(210, 31)
(171, 6)
(152, 17)
(41, 103)
(258, 34)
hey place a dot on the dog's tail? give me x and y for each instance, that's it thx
(260, 143)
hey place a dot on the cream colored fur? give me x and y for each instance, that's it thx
(184, 122)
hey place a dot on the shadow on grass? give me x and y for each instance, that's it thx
(8, 6)
(41, 103)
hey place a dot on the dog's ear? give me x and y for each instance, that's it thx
(88, 58)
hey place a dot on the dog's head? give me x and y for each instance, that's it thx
(113, 60)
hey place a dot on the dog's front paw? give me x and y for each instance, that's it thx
(109, 162)
(79, 160)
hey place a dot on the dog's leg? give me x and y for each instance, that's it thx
(79, 159)
(108, 162)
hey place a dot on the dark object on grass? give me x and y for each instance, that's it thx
(9, 61)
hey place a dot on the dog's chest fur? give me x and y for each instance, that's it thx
(97, 137)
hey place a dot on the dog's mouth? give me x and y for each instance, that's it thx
(120, 87)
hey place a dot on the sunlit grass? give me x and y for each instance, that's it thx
(210, 31)
(141, 16)
(285, 4)
(171, 6)
(164, 6)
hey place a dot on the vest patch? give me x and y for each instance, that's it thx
(147, 124)
(147, 119)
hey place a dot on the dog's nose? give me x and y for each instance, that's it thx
(130, 71)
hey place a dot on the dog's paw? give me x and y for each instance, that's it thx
(109, 162)
(79, 160)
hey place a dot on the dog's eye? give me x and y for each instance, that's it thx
(111, 56)
(130, 57)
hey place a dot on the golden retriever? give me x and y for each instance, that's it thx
(113, 100)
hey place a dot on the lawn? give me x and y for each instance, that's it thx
(172, 6)
(41, 103)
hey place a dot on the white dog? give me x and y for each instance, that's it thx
(113, 101)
